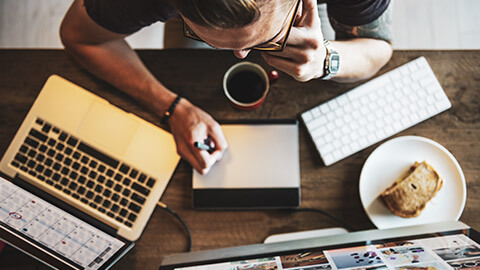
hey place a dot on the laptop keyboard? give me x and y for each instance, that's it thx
(99, 181)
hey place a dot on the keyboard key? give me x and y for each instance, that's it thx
(32, 153)
(93, 205)
(107, 193)
(48, 172)
(57, 166)
(65, 170)
(134, 207)
(83, 200)
(109, 183)
(60, 146)
(133, 173)
(132, 217)
(110, 214)
(110, 172)
(92, 174)
(127, 181)
(68, 151)
(128, 224)
(89, 194)
(126, 192)
(56, 130)
(124, 168)
(40, 158)
(123, 202)
(84, 159)
(15, 164)
(98, 199)
(138, 198)
(84, 170)
(31, 142)
(151, 182)
(76, 165)
(90, 184)
(46, 128)
(73, 186)
(39, 168)
(101, 168)
(63, 136)
(118, 177)
(106, 203)
(123, 212)
(59, 157)
(64, 181)
(140, 189)
(32, 173)
(67, 191)
(118, 188)
(119, 219)
(98, 188)
(102, 210)
(76, 155)
(98, 155)
(31, 164)
(67, 161)
(23, 149)
(81, 190)
(38, 135)
(50, 182)
(21, 158)
(101, 179)
(115, 208)
(142, 178)
(82, 179)
(51, 142)
(115, 197)
(93, 164)
(72, 141)
(75, 196)
(39, 121)
(51, 153)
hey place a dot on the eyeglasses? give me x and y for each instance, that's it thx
(266, 46)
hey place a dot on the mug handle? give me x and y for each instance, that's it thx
(272, 76)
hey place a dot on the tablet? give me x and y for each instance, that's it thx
(260, 168)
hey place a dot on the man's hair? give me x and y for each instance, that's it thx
(219, 13)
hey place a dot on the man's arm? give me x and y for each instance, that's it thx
(108, 56)
(363, 49)
(362, 52)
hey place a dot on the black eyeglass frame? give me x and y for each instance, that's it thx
(278, 46)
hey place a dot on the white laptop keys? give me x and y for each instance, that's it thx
(105, 162)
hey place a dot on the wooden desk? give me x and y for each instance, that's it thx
(197, 75)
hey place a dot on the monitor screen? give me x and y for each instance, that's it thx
(457, 249)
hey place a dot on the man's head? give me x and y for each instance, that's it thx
(239, 25)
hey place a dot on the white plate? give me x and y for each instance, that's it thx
(390, 160)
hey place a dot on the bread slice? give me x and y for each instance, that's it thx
(408, 196)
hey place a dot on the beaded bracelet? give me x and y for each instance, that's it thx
(170, 109)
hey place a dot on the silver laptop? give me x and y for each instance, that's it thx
(85, 152)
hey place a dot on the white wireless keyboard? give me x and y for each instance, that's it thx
(375, 110)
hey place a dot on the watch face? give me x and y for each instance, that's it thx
(334, 63)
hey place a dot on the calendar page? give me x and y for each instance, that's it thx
(54, 228)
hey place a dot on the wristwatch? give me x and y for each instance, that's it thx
(332, 62)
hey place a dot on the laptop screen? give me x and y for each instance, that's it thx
(457, 249)
(52, 235)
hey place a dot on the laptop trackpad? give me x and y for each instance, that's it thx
(108, 128)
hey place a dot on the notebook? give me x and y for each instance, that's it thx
(260, 168)
(82, 152)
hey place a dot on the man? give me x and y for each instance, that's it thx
(288, 32)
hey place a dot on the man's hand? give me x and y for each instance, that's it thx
(189, 124)
(304, 54)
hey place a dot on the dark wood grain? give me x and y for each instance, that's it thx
(197, 75)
